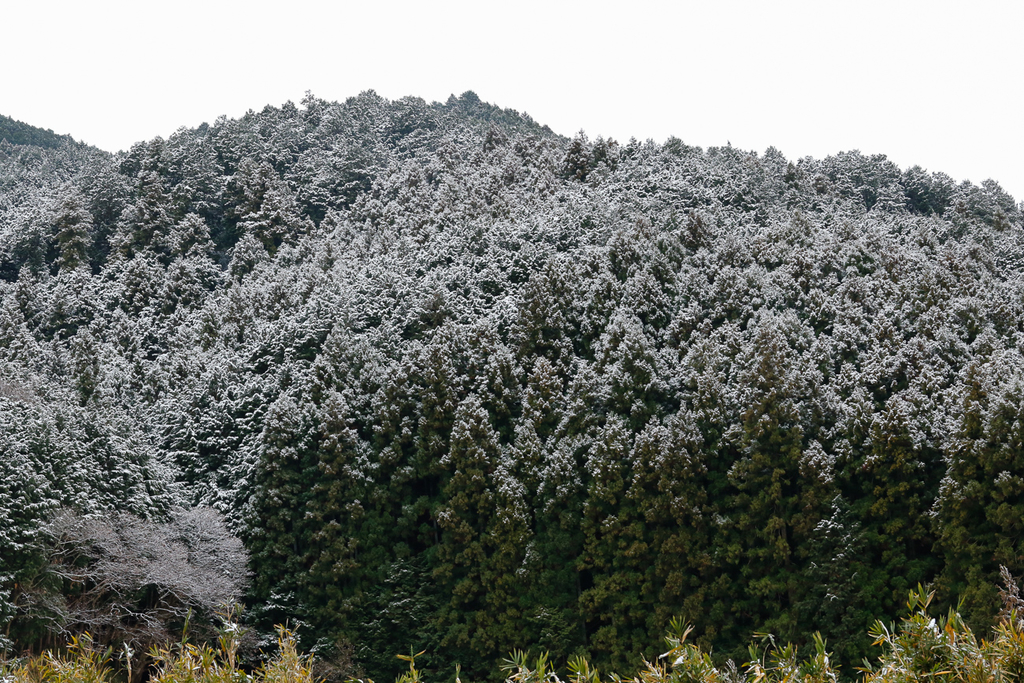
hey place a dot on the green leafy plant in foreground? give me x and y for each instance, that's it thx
(81, 663)
(946, 649)
(920, 649)
(182, 663)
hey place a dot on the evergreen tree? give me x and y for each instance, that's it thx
(778, 496)
(73, 226)
(981, 497)
(893, 507)
(613, 533)
(276, 524)
(466, 514)
(669, 505)
(337, 514)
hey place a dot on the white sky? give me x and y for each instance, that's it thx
(933, 83)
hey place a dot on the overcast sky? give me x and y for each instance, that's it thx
(932, 83)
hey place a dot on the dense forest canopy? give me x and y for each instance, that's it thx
(463, 385)
(18, 133)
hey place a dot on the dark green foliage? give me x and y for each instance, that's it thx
(982, 498)
(18, 133)
(276, 524)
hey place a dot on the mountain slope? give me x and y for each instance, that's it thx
(462, 384)
(18, 133)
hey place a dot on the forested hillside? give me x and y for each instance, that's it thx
(18, 133)
(463, 385)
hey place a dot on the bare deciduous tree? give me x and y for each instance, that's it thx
(129, 580)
